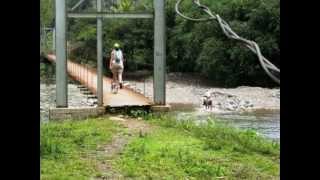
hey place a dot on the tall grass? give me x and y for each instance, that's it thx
(244, 141)
(183, 149)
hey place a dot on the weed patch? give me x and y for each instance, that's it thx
(65, 147)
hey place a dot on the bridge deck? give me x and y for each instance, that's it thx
(88, 77)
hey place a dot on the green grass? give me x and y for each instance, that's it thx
(65, 147)
(182, 150)
(172, 150)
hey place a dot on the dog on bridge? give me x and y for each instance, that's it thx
(207, 101)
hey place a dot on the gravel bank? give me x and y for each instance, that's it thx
(186, 89)
(75, 99)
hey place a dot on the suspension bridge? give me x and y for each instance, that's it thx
(99, 84)
(95, 81)
(88, 78)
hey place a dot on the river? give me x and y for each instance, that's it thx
(184, 93)
(265, 122)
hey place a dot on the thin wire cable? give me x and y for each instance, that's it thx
(86, 70)
(253, 46)
(77, 5)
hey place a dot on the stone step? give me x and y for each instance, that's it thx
(83, 89)
(92, 97)
(81, 86)
(87, 93)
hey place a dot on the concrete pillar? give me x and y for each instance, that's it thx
(61, 61)
(159, 77)
(99, 57)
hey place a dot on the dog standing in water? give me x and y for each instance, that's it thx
(207, 101)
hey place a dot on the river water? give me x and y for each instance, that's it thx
(265, 122)
(184, 93)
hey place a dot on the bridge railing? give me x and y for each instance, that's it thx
(47, 40)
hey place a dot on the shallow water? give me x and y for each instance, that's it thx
(266, 123)
(184, 95)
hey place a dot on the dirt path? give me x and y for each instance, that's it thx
(108, 152)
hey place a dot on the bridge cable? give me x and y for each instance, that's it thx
(253, 46)
(86, 66)
(77, 5)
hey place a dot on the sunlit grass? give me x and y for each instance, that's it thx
(65, 147)
(180, 150)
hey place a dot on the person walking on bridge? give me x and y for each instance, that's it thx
(116, 64)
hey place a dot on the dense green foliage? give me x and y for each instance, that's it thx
(46, 12)
(183, 150)
(198, 47)
(65, 147)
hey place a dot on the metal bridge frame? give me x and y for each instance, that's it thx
(61, 46)
(43, 39)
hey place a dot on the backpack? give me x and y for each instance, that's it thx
(117, 57)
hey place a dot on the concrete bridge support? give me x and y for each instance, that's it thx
(61, 53)
(99, 56)
(159, 77)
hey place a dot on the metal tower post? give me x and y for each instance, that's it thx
(159, 80)
(53, 39)
(61, 61)
(41, 39)
(99, 56)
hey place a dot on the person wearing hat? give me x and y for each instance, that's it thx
(116, 64)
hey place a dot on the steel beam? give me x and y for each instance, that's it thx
(111, 15)
(99, 56)
(61, 61)
(159, 77)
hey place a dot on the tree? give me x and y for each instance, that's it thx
(197, 47)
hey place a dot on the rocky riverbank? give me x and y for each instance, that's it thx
(187, 89)
(75, 99)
